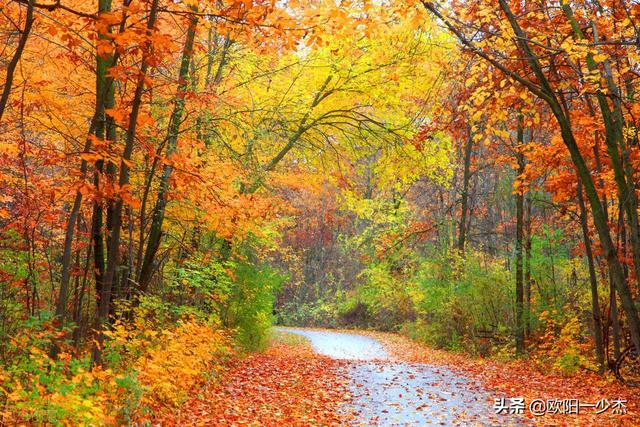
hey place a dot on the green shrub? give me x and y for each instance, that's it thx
(318, 313)
(41, 390)
(354, 312)
(249, 308)
(238, 292)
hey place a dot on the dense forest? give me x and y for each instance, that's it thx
(176, 177)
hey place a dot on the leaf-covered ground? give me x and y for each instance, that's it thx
(520, 379)
(287, 385)
(290, 385)
(389, 392)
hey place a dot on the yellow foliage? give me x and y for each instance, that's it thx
(187, 355)
(561, 345)
(59, 393)
(147, 369)
(170, 362)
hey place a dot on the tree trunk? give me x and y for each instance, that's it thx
(462, 226)
(13, 64)
(105, 129)
(102, 83)
(615, 322)
(155, 232)
(593, 280)
(114, 241)
(520, 330)
(527, 266)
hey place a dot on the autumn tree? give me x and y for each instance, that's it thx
(543, 70)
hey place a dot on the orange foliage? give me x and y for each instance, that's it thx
(172, 362)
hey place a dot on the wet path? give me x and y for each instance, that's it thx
(391, 393)
(340, 345)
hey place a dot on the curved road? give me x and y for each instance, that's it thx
(391, 393)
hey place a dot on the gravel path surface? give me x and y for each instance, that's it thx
(387, 392)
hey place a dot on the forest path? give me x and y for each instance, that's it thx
(389, 392)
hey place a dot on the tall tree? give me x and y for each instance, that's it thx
(155, 233)
(519, 195)
(104, 298)
(530, 74)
